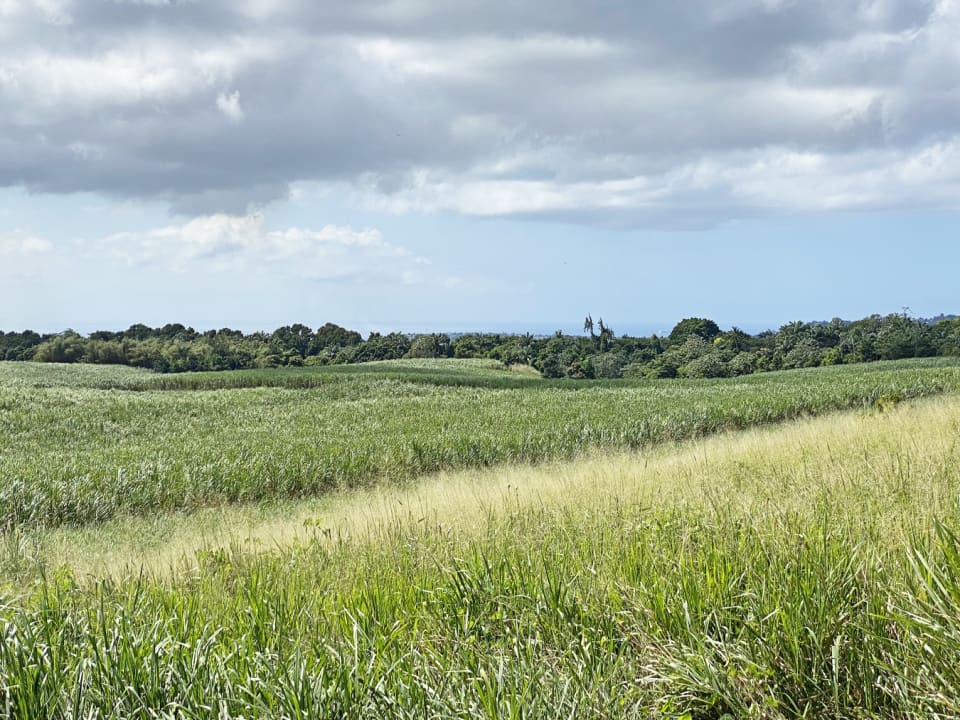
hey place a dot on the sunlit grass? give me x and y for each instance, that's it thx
(750, 473)
(803, 571)
(78, 455)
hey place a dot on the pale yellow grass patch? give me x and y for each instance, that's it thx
(524, 370)
(886, 469)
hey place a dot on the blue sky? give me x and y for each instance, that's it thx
(476, 166)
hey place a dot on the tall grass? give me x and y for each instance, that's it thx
(753, 465)
(808, 572)
(76, 455)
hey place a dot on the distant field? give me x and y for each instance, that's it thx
(805, 570)
(473, 373)
(476, 373)
(84, 444)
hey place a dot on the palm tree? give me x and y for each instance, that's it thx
(606, 335)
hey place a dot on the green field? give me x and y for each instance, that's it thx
(453, 540)
(75, 448)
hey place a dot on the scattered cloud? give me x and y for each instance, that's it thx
(19, 243)
(229, 243)
(24, 255)
(625, 113)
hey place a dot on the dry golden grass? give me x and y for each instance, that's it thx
(524, 370)
(810, 569)
(885, 471)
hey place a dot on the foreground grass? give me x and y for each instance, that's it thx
(73, 454)
(806, 571)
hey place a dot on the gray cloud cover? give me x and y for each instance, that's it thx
(662, 113)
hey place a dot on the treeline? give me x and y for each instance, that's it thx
(696, 347)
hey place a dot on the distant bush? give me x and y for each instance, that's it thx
(607, 366)
(634, 370)
(744, 363)
(708, 366)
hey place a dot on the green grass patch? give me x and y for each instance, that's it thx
(72, 454)
(811, 570)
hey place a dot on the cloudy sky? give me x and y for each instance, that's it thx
(476, 164)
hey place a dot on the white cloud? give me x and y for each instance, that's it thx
(479, 55)
(774, 179)
(40, 84)
(24, 254)
(719, 107)
(231, 243)
(20, 243)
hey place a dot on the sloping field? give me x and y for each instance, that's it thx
(777, 468)
(810, 569)
(73, 452)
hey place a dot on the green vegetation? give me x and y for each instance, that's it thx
(806, 570)
(75, 454)
(695, 348)
(474, 373)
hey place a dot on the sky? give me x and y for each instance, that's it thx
(468, 165)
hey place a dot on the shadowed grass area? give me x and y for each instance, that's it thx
(808, 570)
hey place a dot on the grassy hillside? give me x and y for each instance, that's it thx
(75, 448)
(444, 372)
(474, 373)
(804, 570)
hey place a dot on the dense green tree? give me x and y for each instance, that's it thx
(900, 336)
(332, 337)
(551, 366)
(556, 356)
(175, 331)
(637, 350)
(733, 341)
(744, 363)
(430, 346)
(607, 365)
(515, 350)
(381, 347)
(805, 353)
(476, 345)
(138, 331)
(104, 352)
(709, 365)
(67, 347)
(663, 366)
(105, 335)
(947, 336)
(19, 345)
(696, 347)
(702, 327)
(291, 340)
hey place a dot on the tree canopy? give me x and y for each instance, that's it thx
(696, 347)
